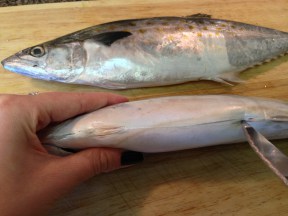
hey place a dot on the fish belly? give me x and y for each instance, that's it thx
(171, 123)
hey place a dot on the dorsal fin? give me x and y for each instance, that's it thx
(108, 38)
(199, 15)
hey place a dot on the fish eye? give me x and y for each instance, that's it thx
(37, 51)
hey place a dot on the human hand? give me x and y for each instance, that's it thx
(31, 180)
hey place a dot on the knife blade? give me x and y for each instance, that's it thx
(268, 152)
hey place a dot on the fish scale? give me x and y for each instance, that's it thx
(151, 52)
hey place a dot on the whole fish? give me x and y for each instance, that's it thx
(171, 123)
(151, 52)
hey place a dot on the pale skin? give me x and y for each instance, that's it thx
(31, 179)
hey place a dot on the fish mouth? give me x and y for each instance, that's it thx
(24, 67)
(9, 59)
(29, 68)
(3, 62)
(10, 63)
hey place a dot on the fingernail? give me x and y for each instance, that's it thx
(131, 157)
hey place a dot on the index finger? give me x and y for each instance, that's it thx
(59, 106)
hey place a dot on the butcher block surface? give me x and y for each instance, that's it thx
(219, 180)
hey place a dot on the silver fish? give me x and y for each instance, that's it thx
(151, 52)
(171, 123)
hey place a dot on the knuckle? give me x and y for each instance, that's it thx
(43, 119)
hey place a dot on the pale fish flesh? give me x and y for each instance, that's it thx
(171, 123)
(151, 52)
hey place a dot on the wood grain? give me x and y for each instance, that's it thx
(221, 180)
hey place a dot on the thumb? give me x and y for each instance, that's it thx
(83, 165)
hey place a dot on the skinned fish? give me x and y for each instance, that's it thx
(171, 123)
(151, 52)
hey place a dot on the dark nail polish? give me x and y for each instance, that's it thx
(131, 157)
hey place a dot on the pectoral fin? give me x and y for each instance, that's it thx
(106, 38)
(228, 78)
(109, 38)
(220, 80)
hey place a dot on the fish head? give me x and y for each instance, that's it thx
(46, 61)
(30, 61)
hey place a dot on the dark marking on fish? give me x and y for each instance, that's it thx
(179, 28)
(142, 30)
(159, 29)
(200, 21)
(191, 27)
(132, 24)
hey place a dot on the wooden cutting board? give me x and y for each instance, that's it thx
(221, 180)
